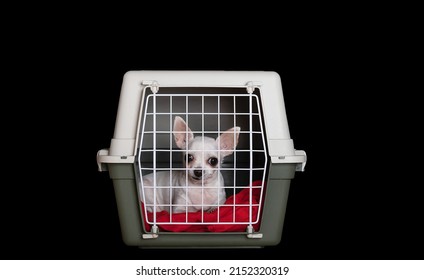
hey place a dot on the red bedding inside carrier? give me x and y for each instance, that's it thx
(227, 212)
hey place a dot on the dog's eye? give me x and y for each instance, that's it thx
(213, 161)
(189, 158)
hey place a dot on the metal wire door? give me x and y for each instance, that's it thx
(208, 113)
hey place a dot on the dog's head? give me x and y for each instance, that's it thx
(203, 155)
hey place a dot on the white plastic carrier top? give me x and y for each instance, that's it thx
(123, 146)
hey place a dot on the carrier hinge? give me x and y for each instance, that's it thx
(153, 234)
(250, 86)
(251, 233)
(154, 85)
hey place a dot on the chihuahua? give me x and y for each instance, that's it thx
(200, 185)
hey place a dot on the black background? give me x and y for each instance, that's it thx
(355, 200)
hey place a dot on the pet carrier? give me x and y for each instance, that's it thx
(201, 159)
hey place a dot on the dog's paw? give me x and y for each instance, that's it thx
(179, 209)
(211, 210)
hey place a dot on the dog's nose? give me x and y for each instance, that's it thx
(198, 172)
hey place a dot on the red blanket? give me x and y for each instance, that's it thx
(227, 212)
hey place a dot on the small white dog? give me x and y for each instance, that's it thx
(200, 186)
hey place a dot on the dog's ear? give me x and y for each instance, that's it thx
(228, 141)
(182, 133)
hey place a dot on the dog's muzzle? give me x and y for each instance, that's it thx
(197, 174)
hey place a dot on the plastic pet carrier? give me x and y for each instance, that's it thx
(201, 159)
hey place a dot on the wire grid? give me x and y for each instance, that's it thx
(207, 115)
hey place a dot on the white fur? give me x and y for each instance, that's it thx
(187, 191)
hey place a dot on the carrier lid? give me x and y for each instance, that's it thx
(123, 145)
